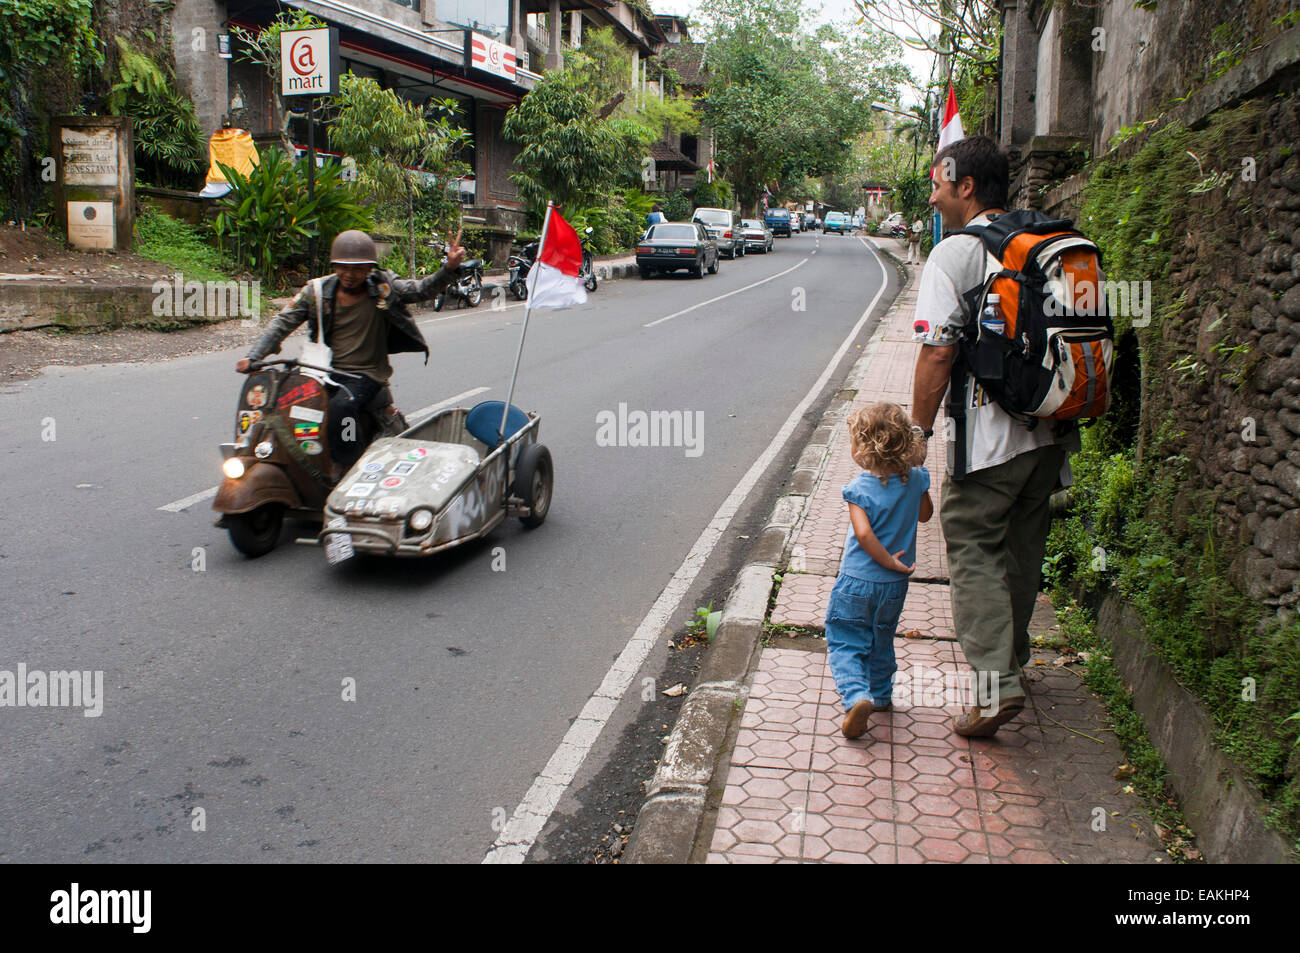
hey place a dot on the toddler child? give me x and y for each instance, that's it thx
(885, 503)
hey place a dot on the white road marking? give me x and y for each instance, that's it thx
(469, 313)
(425, 411)
(762, 281)
(189, 501)
(211, 491)
(525, 825)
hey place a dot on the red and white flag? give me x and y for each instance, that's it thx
(951, 129)
(553, 281)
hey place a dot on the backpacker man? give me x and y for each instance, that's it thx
(994, 511)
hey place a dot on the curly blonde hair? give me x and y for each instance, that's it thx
(884, 442)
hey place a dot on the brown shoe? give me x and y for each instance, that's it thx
(855, 722)
(973, 723)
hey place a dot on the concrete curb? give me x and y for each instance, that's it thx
(1221, 805)
(677, 803)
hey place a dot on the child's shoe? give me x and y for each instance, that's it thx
(855, 722)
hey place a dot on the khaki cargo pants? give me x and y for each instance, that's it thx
(995, 523)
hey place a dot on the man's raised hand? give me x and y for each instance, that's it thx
(455, 252)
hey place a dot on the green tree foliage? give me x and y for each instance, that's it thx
(271, 218)
(36, 35)
(569, 154)
(169, 142)
(765, 70)
(398, 144)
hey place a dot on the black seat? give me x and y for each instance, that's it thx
(472, 263)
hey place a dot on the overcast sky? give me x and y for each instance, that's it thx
(832, 11)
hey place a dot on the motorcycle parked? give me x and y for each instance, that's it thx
(279, 463)
(587, 272)
(467, 286)
(519, 266)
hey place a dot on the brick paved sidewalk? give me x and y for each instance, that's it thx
(909, 790)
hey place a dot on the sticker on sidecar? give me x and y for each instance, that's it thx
(256, 397)
(403, 467)
(373, 467)
(311, 447)
(419, 453)
(361, 489)
(306, 431)
(393, 483)
(247, 418)
(299, 412)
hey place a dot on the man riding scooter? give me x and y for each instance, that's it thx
(364, 318)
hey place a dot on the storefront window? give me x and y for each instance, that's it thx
(412, 4)
(489, 17)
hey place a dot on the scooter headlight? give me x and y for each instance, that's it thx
(233, 468)
(421, 520)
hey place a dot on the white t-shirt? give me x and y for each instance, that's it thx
(956, 265)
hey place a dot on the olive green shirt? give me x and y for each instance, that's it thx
(359, 339)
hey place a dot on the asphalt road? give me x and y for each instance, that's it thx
(223, 688)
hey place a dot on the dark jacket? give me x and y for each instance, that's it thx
(392, 295)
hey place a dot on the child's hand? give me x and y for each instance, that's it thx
(899, 565)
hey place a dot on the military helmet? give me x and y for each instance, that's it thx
(353, 247)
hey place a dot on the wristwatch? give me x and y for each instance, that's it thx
(927, 434)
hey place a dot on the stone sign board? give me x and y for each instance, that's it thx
(94, 188)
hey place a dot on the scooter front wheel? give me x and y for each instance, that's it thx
(255, 533)
(475, 295)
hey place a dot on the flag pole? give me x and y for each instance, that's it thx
(528, 307)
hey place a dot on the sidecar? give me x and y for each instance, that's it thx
(445, 481)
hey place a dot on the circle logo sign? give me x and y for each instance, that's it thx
(373, 467)
(311, 447)
(419, 453)
(302, 57)
(393, 482)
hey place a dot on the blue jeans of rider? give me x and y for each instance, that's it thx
(860, 624)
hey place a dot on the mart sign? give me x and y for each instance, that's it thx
(309, 62)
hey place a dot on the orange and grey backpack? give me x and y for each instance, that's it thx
(1039, 338)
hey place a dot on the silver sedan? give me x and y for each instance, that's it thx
(757, 235)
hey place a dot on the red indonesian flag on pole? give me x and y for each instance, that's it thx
(553, 281)
(951, 129)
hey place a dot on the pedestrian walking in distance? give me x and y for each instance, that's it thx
(914, 242)
(885, 502)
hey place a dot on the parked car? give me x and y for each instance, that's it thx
(838, 222)
(669, 246)
(756, 235)
(778, 220)
(796, 225)
(889, 224)
(723, 225)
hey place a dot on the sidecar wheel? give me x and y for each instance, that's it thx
(256, 533)
(534, 483)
